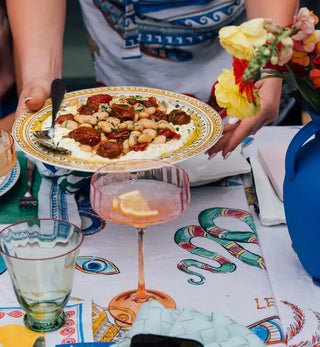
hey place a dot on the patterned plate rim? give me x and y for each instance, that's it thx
(10, 180)
(208, 121)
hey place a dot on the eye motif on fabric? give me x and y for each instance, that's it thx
(96, 265)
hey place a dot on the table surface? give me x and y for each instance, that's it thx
(264, 288)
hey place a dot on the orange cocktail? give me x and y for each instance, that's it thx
(139, 193)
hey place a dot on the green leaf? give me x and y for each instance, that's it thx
(304, 86)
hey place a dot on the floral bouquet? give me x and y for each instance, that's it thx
(261, 49)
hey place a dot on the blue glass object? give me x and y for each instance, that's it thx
(301, 194)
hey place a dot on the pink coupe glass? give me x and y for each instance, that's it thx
(165, 191)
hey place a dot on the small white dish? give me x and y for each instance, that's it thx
(203, 171)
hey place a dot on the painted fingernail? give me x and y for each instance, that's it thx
(246, 142)
(212, 156)
(233, 120)
(227, 156)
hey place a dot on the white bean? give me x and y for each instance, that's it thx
(148, 123)
(85, 125)
(133, 140)
(104, 108)
(150, 132)
(103, 137)
(162, 106)
(79, 118)
(73, 102)
(113, 121)
(135, 126)
(135, 133)
(125, 146)
(86, 148)
(164, 125)
(138, 107)
(91, 119)
(136, 117)
(101, 115)
(150, 110)
(143, 114)
(105, 126)
(145, 137)
(70, 124)
(124, 125)
(159, 140)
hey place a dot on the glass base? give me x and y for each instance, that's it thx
(45, 325)
(125, 306)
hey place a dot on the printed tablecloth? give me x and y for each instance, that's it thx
(216, 257)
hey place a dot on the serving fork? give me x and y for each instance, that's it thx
(45, 137)
(28, 200)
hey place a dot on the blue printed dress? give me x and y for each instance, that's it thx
(158, 43)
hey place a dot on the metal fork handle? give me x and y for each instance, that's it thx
(30, 175)
(58, 90)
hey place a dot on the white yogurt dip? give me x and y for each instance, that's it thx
(153, 151)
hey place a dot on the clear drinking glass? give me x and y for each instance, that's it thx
(40, 255)
(139, 193)
(8, 159)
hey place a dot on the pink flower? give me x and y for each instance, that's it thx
(305, 21)
(285, 52)
(308, 44)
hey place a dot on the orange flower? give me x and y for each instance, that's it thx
(300, 57)
(315, 18)
(239, 65)
(315, 76)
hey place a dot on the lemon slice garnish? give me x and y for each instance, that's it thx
(133, 204)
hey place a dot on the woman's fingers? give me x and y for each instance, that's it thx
(32, 98)
(234, 134)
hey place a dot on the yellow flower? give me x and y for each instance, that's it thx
(240, 41)
(228, 96)
(311, 41)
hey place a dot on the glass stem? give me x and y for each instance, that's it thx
(141, 291)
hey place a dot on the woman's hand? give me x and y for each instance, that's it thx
(38, 48)
(234, 134)
(33, 95)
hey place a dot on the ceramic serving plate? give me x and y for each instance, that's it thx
(207, 121)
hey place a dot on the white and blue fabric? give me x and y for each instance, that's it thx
(57, 193)
(173, 42)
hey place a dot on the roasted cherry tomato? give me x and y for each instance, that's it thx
(99, 99)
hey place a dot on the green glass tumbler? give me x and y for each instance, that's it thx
(40, 256)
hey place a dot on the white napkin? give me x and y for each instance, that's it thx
(272, 158)
(202, 171)
(55, 202)
(270, 206)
